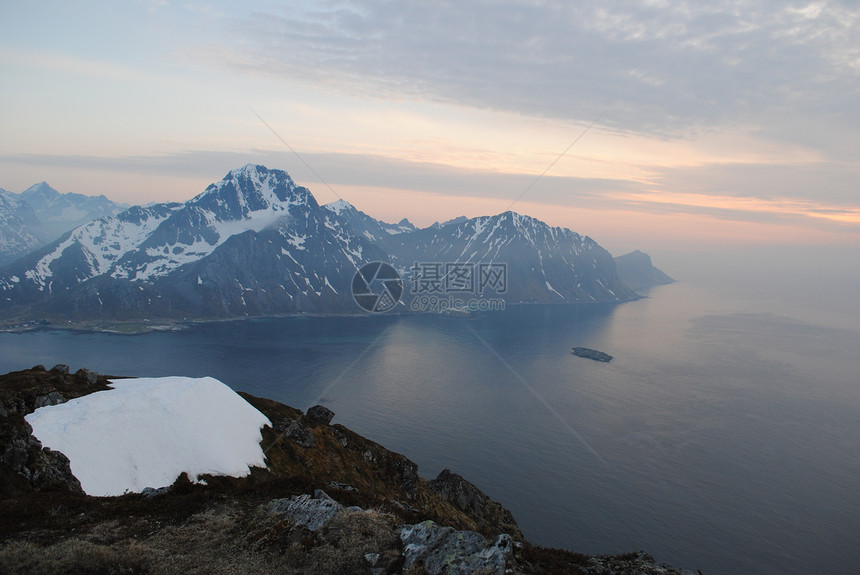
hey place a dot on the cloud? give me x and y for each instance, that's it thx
(669, 68)
(825, 182)
(345, 170)
(729, 192)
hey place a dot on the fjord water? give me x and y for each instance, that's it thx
(725, 435)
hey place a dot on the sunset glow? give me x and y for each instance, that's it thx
(407, 119)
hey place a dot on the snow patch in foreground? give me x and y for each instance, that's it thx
(145, 432)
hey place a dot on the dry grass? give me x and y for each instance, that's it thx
(220, 528)
(212, 541)
(73, 557)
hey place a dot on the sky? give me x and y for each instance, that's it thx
(644, 124)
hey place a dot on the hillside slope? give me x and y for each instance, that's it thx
(328, 501)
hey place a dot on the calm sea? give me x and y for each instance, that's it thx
(725, 435)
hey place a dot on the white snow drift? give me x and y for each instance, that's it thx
(145, 432)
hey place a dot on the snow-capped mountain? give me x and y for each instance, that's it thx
(368, 226)
(253, 243)
(542, 263)
(17, 221)
(40, 214)
(60, 213)
(256, 243)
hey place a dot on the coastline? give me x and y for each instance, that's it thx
(139, 327)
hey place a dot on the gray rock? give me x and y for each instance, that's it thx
(38, 367)
(320, 415)
(460, 492)
(311, 512)
(443, 550)
(408, 476)
(89, 375)
(291, 428)
(15, 449)
(54, 468)
(340, 486)
(150, 492)
(60, 368)
(372, 558)
(23, 454)
(341, 437)
(407, 508)
(322, 495)
(53, 398)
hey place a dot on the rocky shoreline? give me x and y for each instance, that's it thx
(329, 501)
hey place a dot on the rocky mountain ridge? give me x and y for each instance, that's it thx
(329, 501)
(40, 214)
(636, 270)
(257, 244)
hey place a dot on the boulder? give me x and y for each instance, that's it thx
(60, 368)
(320, 415)
(443, 550)
(150, 492)
(408, 470)
(311, 512)
(23, 455)
(52, 398)
(471, 500)
(88, 375)
(463, 494)
(291, 428)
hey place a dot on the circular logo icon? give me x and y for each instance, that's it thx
(377, 287)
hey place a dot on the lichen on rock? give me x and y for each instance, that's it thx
(441, 549)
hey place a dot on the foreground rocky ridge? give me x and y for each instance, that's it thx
(329, 501)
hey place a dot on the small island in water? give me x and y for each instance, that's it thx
(591, 354)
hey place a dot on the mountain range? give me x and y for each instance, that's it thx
(256, 243)
(41, 214)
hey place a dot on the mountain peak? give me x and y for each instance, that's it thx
(41, 190)
(339, 206)
(251, 188)
(457, 220)
(251, 168)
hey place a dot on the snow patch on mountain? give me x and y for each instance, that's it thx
(41, 272)
(256, 229)
(146, 432)
(225, 209)
(339, 207)
(16, 233)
